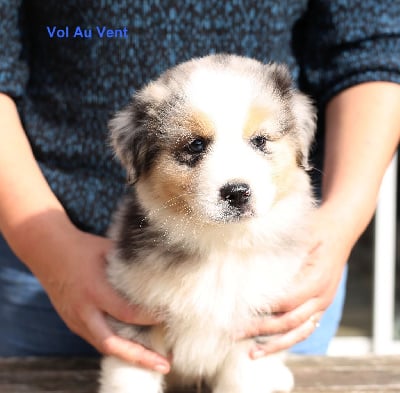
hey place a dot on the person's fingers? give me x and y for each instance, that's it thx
(110, 301)
(287, 340)
(100, 335)
(116, 306)
(283, 322)
(301, 291)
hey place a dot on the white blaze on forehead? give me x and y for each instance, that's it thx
(225, 97)
(230, 100)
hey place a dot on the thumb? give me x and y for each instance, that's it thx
(119, 308)
(101, 336)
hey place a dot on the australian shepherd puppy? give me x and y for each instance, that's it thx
(214, 226)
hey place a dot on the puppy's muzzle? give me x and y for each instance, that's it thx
(237, 195)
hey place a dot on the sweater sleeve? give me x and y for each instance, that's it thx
(13, 64)
(349, 42)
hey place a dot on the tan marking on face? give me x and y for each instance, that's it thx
(171, 184)
(284, 167)
(191, 125)
(255, 117)
(200, 124)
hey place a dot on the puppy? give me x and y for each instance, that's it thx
(213, 228)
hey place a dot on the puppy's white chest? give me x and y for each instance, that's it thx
(218, 302)
(230, 285)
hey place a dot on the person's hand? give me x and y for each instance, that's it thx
(82, 296)
(313, 289)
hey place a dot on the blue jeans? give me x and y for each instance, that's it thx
(29, 325)
(317, 343)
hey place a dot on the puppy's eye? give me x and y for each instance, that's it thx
(196, 146)
(192, 151)
(259, 142)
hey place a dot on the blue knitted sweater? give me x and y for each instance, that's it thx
(70, 64)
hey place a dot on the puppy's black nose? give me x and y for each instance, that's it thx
(236, 194)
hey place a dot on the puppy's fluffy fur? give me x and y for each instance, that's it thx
(213, 229)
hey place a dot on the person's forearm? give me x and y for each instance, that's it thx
(29, 211)
(362, 133)
(69, 263)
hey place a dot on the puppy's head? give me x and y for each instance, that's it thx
(220, 139)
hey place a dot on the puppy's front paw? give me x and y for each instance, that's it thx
(118, 376)
(281, 379)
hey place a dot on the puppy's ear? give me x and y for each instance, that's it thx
(132, 140)
(305, 119)
(301, 106)
(281, 78)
